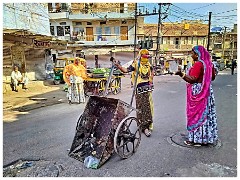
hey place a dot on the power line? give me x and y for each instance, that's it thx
(202, 7)
(185, 13)
(188, 11)
(227, 16)
(226, 11)
(186, 16)
(180, 18)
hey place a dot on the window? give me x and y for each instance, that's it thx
(62, 23)
(107, 30)
(192, 40)
(89, 23)
(121, 7)
(50, 8)
(64, 6)
(78, 33)
(78, 29)
(177, 43)
(78, 23)
(117, 30)
(67, 30)
(99, 30)
(124, 22)
(168, 40)
(103, 22)
(184, 40)
(60, 31)
(52, 30)
(234, 45)
(99, 33)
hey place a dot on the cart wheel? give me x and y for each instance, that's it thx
(79, 122)
(116, 86)
(127, 137)
(56, 82)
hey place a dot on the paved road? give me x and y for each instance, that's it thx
(46, 134)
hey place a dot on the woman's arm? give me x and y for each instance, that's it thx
(187, 78)
(123, 69)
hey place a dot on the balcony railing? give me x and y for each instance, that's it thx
(101, 37)
(102, 10)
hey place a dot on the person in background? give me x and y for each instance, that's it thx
(185, 64)
(201, 110)
(74, 75)
(215, 64)
(189, 65)
(144, 88)
(234, 65)
(83, 62)
(17, 78)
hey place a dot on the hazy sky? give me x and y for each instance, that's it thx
(190, 11)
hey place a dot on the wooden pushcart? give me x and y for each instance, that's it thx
(105, 126)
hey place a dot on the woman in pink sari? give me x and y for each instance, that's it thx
(201, 110)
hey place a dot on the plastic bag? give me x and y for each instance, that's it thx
(91, 162)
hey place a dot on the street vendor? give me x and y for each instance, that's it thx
(74, 75)
(83, 62)
(144, 88)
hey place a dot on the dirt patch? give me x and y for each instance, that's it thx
(39, 94)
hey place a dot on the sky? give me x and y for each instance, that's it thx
(223, 14)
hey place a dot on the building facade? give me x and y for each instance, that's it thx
(26, 39)
(224, 45)
(93, 28)
(178, 38)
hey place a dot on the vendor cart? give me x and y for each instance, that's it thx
(105, 127)
(95, 85)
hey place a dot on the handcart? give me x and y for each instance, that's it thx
(96, 85)
(104, 127)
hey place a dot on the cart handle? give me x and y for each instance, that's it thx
(109, 78)
(135, 83)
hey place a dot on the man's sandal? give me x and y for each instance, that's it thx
(147, 132)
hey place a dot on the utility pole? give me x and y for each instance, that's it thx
(223, 42)
(135, 34)
(159, 24)
(209, 26)
(232, 42)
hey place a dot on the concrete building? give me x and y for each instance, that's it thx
(26, 39)
(93, 28)
(177, 38)
(224, 44)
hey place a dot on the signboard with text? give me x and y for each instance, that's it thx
(41, 44)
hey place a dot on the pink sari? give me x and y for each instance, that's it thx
(197, 103)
